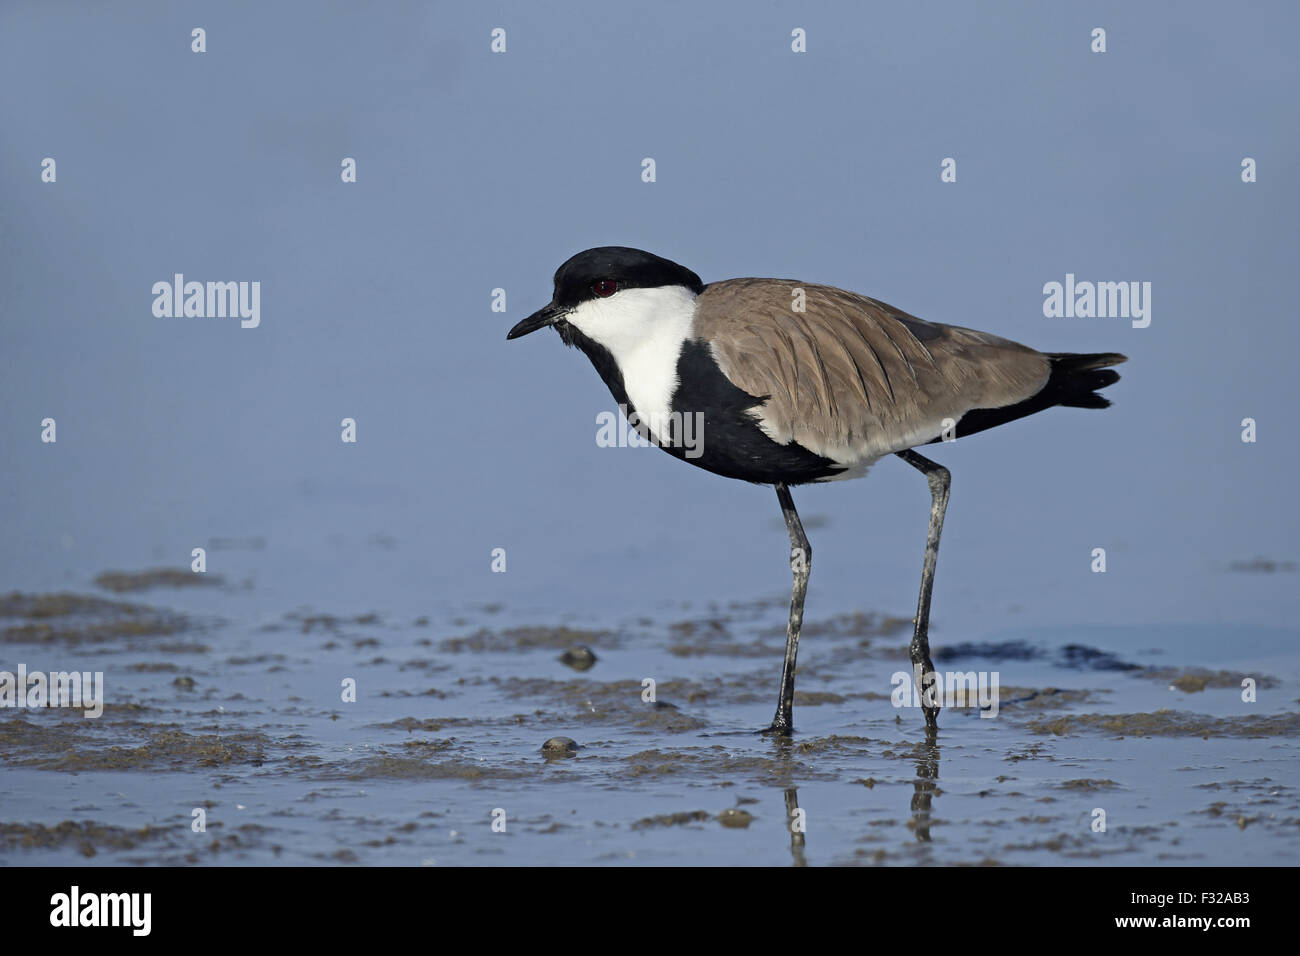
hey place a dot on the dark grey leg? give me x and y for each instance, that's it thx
(800, 563)
(940, 480)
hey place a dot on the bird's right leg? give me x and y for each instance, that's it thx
(940, 481)
(800, 564)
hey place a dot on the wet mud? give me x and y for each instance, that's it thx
(327, 737)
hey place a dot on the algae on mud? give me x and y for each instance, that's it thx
(450, 720)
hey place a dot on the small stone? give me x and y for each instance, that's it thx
(735, 818)
(184, 683)
(560, 747)
(580, 657)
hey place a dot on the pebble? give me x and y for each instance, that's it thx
(579, 657)
(735, 818)
(560, 747)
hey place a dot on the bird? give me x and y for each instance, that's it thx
(795, 383)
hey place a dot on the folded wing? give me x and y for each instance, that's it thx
(851, 378)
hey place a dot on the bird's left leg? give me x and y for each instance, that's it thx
(940, 480)
(800, 565)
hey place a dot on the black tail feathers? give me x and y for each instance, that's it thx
(1073, 382)
(1077, 377)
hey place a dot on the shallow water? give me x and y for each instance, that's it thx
(212, 705)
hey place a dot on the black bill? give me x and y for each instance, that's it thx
(540, 319)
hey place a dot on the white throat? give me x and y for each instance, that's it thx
(644, 329)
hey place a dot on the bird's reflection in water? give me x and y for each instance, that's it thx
(794, 814)
(794, 820)
(924, 789)
(925, 785)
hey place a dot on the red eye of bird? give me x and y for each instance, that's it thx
(605, 288)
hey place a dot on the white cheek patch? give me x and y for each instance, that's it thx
(644, 329)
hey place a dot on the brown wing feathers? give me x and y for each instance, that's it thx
(855, 375)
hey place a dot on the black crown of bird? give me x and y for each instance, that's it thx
(797, 383)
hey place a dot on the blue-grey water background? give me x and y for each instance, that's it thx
(479, 171)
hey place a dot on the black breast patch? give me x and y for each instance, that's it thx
(729, 440)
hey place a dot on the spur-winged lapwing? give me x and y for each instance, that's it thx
(798, 383)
